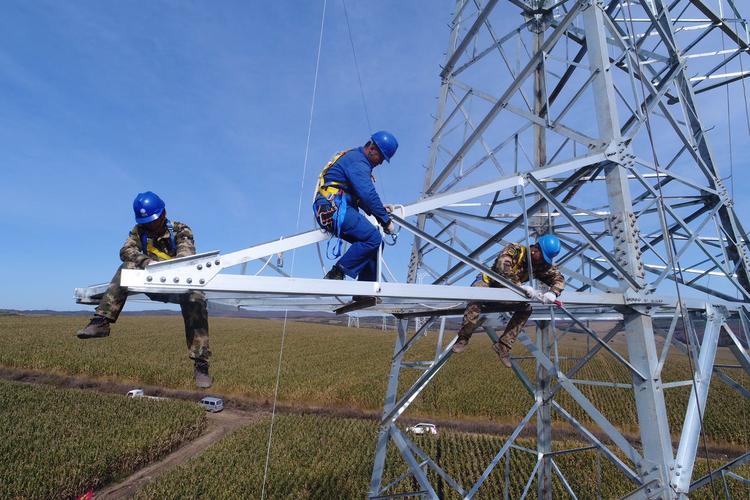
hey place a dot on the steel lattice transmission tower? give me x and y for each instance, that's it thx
(582, 118)
(531, 84)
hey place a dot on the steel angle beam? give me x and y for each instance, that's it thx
(604, 424)
(685, 458)
(467, 38)
(568, 183)
(411, 394)
(742, 459)
(446, 199)
(205, 266)
(414, 467)
(499, 455)
(91, 294)
(136, 280)
(522, 75)
(583, 232)
(466, 260)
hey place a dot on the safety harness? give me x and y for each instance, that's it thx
(147, 245)
(332, 217)
(516, 265)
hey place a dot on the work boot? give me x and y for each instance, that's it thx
(460, 345)
(97, 327)
(202, 378)
(503, 351)
(334, 274)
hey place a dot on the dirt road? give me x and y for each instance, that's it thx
(219, 425)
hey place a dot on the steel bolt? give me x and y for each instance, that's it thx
(189, 280)
(208, 264)
(149, 278)
(217, 262)
(176, 279)
(162, 279)
(200, 266)
(202, 281)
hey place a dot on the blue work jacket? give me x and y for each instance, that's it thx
(355, 171)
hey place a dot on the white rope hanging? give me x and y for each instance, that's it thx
(291, 271)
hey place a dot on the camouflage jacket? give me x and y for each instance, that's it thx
(161, 247)
(512, 264)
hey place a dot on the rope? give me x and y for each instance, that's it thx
(669, 244)
(291, 272)
(356, 66)
(361, 87)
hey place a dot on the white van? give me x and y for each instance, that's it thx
(135, 393)
(212, 404)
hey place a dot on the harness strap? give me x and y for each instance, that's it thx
(148, 247)
(335, 193)
(153, 250)
(519, 262)
(516, 265)
(331, 188)
(340, 203)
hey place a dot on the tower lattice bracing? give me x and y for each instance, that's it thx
(580, 118)
(528, 85)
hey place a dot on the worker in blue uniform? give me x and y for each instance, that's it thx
(345, 185)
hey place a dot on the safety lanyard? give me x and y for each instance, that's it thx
(340, 203)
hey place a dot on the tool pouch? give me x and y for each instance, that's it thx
(325, 214)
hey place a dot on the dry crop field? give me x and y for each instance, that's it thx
(341, 367)
(73, 440)
(58, 443)
(323, 457)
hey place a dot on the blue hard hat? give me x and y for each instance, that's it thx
(386, 143)
(549, 244)
(147, 207)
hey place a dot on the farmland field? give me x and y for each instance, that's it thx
(321, 457)
(57, 443)
(333, 366)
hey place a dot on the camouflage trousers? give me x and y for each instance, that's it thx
(473, 318)
(193, 306)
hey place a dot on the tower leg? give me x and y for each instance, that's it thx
(649, 395)
(544, 414)
(390, 401)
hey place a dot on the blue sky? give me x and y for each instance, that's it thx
(206, 103)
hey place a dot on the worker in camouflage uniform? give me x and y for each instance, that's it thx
(512, 263)
(155, 238)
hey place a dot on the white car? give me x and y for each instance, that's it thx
(138, 393)
(212, 404)
(423, 428)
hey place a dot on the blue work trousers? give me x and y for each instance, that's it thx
(361, 260)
